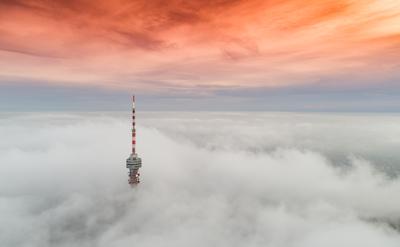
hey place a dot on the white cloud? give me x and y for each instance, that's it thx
(208, 179)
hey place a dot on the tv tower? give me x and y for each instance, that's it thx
(133, 163)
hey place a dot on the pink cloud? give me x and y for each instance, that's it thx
(152, 46)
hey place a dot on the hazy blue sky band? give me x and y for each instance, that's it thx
(25, 96)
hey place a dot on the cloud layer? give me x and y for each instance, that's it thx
(208, 179)
(199, 46)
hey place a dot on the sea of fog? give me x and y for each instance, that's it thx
(208, 179)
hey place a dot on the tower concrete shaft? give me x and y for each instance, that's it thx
(133, 163)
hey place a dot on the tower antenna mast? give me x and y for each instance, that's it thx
(133, 163)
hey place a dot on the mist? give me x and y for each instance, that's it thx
(208, 179)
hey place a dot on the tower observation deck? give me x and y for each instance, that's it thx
(133, 163)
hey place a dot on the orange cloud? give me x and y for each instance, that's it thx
(194, 45)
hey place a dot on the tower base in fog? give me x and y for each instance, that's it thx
(133, 163)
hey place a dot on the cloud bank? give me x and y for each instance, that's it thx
(208, 180)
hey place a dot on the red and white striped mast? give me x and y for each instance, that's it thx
(133, 163)
(133, 126)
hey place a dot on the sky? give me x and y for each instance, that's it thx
(208, 179)
(306, 55)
